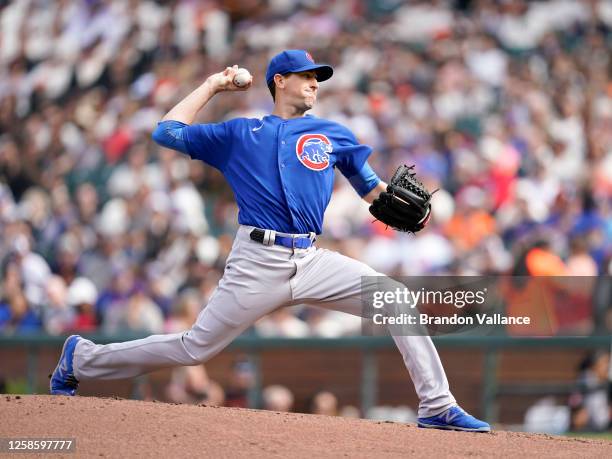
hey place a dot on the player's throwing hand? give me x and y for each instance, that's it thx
(226, 80)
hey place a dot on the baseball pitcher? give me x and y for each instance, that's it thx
(281, 169)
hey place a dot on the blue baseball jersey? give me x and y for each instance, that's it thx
(281, 170)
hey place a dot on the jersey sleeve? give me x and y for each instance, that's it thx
(365, 180)
(352, 162)
(210, 143)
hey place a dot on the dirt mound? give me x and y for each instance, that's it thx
(125, 428)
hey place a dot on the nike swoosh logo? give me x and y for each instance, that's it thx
(257, 128)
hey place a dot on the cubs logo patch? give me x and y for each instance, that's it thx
(313, 151)
(309, 57)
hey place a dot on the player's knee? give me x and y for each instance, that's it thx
(197, 346)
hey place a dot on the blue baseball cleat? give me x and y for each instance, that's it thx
(454, 419)
(63, 381)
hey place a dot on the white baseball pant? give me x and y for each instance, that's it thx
(257, 280)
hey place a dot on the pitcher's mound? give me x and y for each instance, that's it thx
(126, 428)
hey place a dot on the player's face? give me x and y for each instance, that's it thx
(302, 88)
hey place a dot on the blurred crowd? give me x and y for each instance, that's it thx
(504, 106)
(589, 403)
(193, 385)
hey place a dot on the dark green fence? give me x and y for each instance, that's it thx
(253, 346)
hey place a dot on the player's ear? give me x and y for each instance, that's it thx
(279, 80)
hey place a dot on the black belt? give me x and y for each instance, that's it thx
(292, 241)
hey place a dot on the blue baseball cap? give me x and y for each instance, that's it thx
(296, 60)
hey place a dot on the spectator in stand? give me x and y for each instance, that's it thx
(82, 296)
(57, 315)
(241, 381)
(502, 105)
(282, 322)
(580, 262)
(590, 404)
(277, 398)
(16, 316)
(134, 313)
(325, 403)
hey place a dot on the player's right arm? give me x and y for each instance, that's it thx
(187, 109)
(206, 142)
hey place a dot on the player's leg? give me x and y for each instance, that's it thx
(132, 358)
(331, 280)
(254, 283)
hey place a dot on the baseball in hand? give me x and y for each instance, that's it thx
(242, 78)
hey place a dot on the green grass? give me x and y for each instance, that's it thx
(593, 435)
(17, 386)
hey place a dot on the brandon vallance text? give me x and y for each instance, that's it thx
(455, 319)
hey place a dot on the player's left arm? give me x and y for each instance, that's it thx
(362, 177)
(353, 163)
(373, 194)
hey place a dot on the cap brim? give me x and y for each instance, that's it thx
(323, 71)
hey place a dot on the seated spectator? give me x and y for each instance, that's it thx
(34, 270)
(193, 386)
(57, 314)
(331, 324)
(117, 294)
(277, 398)
(511, 122)
(590, 403)
(241, 381)
(282, 323)
(17, 317)
(138, 314)
(325, 403)
(82, 296)
(580, 262)
(184, 312)
(350, 411)
(547, 416)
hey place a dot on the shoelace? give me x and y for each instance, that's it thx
(71, 382)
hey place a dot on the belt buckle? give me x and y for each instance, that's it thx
(297, 238)
(293, 239)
